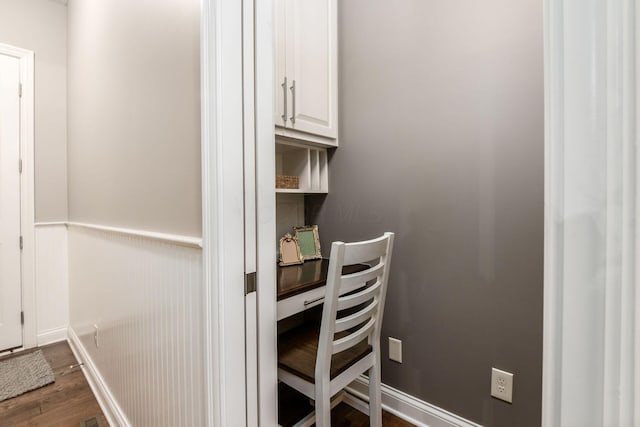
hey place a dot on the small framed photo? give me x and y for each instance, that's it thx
(289, 251)
(309, 241)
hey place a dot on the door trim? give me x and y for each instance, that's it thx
(595, 88)
(266, 214)
(27, 214)
(223, 211)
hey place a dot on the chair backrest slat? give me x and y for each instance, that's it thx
(362, 276)
(368, 319)
(357, 318)
(354, 338)
(365, 251)
(364, 295)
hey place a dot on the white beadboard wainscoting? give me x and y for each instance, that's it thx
(52, 282)
(144, 293)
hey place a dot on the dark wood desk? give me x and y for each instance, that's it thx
(302, 286)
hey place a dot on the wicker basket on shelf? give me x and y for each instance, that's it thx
(287, 182)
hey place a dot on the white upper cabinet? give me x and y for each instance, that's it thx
(306, 70)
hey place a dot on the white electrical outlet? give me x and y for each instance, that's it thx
(95, 336)
(502, 385)
(395, 350)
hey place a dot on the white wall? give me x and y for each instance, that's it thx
(134, 114)
(134, 162)
(41, 26)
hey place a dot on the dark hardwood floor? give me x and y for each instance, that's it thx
(66, 402)
(293, 406)
(69, 400)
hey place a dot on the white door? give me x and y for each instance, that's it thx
(311, 62)
(238, 152)
(281, 84)
(10, 286)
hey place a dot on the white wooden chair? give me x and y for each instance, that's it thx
(321, 363)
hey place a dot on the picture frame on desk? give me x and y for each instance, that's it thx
(309, 241)
(290, 251)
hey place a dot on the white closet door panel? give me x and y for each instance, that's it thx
(312, 66)
(10, 286)
(281, 91)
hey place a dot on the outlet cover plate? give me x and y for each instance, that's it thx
(395, 350)
(502, 385)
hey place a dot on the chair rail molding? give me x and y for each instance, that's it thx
(188, 241)
(591, 354)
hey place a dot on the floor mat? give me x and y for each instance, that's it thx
(21, 374)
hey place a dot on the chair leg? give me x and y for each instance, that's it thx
(375, 403)
(323, 408)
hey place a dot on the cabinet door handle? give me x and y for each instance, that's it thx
(284, 91)
(293, 102)
(306, 303)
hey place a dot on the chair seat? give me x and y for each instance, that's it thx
(297, 350)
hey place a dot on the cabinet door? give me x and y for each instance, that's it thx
(281, 90)
(311, 63)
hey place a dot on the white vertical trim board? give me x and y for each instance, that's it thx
(635, 300)
(250, 237)
(554, 211)
(146, 299)
(591, 367)
(52, 282)
(266, 214)
(405, 406)
(223, 211)
(27, 190)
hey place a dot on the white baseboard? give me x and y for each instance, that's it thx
(108, 404)
(405, 406)
(52, 336)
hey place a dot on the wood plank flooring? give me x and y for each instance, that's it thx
(66, 402)
(69, 400)
(293, 406)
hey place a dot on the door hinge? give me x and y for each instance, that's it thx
(20, 242)
(249, 283)
(20, 166)
(20, 90)
(22, 317)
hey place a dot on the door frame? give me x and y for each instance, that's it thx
(266, 213)
(223, 211)
(27, 212)
(225, 83)
(611, 50)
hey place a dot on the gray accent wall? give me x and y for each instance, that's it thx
(442, 142)
(41, 26)
(134, 114)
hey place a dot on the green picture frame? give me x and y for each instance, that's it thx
(308, 241)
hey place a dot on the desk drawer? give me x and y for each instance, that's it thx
(297, 303)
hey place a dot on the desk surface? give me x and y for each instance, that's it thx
(296, 279)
